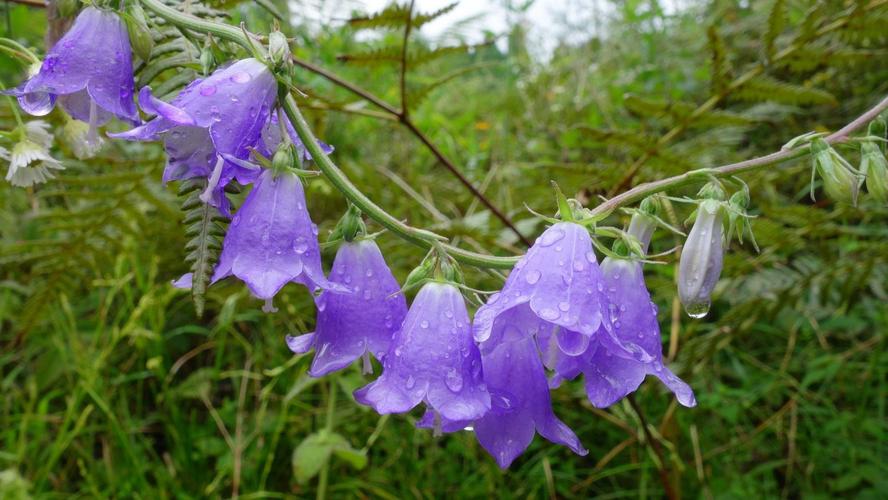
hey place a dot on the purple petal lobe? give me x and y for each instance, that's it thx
(155, 106)
(184, 282)
(300, 344)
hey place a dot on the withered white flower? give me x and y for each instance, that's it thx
(29, 161)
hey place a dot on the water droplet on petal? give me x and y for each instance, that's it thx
(698, 309)
(551, 237)
(208, 90)
(549, 314)
(532, 277)
(411, 382)
(454, 380)
(241, 77)
(564, 306)
(424, 324)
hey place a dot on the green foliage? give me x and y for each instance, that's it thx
(111, 386)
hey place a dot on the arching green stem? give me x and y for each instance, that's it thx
(427, 239)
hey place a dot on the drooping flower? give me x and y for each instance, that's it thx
(30, 162)
(351, 325)
(611, 374)
(614, 365)
(211, 119)
(432, 358)
(89, 71)
(272, 240)
(520, 399)
(560, 282)
(701, 259)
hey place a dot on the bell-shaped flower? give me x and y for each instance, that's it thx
(611, 374)
(701, 259)
(560, 282)
(89, 70)
(272, 240)
(433, 359)
(211, 120)
(351, 325)
(520, 401)
(30, 162)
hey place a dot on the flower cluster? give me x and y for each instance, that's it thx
(559, 314)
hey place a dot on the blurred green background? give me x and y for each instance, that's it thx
(111, 386)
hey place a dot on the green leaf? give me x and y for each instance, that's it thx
(314, 452)
(311, 456)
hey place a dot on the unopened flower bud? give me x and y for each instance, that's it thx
(207, 60)
(839, 181)
(874, 165)
(284, 157)
(350, 225)
(651, 205)
(642, 227)
(137, 27)
(420, 274)
(701, 259)
(278, 48)
(712, 190)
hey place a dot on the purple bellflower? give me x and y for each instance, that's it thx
(520, 401)
(560, 282)
(701, 259)
(612, 373)
(211, 120)
(89, 71)
(432, 358)
(272, 240)
(351, 325)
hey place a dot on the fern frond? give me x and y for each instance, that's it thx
(204, 226)
(765, 88)
(373, 56)
(394, 16)
(421, 19)
(721, 67)
(776, 24)
(683, 112)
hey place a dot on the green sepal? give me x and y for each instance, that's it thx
(565, 211)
